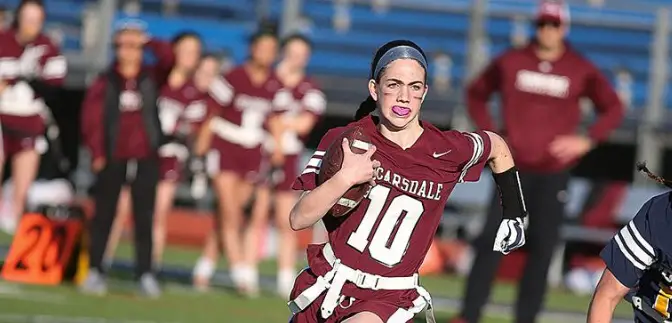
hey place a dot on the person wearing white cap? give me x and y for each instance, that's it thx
(540, 87)
(122, 130)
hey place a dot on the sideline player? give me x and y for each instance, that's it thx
(298, 107)
(246, 96)
(31, 68)
(639, 266)
(184, 104)
(367, 272)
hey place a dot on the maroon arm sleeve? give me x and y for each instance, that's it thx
(54, 66)
(92, 119)
(165, 59)
(307, 180)
(608, 106)
(478, 95)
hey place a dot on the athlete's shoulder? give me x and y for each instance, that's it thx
(309, 83)
(656, 213)
(44, 40)
(454, 139)
(236, 74)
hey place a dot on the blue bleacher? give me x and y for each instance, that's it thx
(225, 24)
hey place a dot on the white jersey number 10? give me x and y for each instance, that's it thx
(391, 219)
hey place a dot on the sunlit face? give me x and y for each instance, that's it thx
(264, 51)
(400, 92)
(206, 72)
(550, 34)
(130, 44)
(296, 54)
(187, 53)
(31, 20)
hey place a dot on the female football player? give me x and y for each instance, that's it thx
(183, 107)
(298, 108)
(639, 266)
(31, 66)
(367, 272)
(246, 95)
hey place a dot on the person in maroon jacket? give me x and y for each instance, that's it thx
(121, 128)
(184, 105)
(31, 68)
(540, 88)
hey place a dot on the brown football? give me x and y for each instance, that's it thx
(332, 162)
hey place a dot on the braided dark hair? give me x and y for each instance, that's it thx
(641, 166)
(369, 105)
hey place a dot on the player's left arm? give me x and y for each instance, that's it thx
(608, 294)
(481, 148)
(511, 232)
(608, 105)
(627, 255)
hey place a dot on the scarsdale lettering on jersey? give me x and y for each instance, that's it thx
(543, 84)
(423, 189)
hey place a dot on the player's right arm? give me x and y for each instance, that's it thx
(220, 96)
(629, 253)
(478, 94)
(92, 125)
(316, 200)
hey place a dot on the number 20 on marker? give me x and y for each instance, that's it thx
(41, 250)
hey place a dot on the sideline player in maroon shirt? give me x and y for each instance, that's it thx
(540, 88)
(298, 106)
(246, 96)
(31, 67)
(122, 129)
(367, 272)
(184, 104)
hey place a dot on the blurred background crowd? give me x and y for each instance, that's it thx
(204, 41)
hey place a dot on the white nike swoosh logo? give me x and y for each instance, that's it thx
(437, 155)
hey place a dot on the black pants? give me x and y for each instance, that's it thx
(142, 176)
(545, 196)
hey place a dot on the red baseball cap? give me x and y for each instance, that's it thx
(555, 11)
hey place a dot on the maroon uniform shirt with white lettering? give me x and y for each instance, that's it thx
(239, 123)
(182, 111)
(20, 104)
(305, 97)
(390, 232)
(540, 101)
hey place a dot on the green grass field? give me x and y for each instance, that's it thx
(25, 303)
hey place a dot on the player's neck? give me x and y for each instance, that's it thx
(258, 73)
(129, 70)
(177, 78)
(404, 138)
(23, 39)
(290, 77)
(550, 53)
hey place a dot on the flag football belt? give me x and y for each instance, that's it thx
(332, 282)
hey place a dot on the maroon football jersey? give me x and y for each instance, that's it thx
(390, 232)
(540, 101)
(306, 96)
(20, 105)
(244, 107)
(183, 109)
